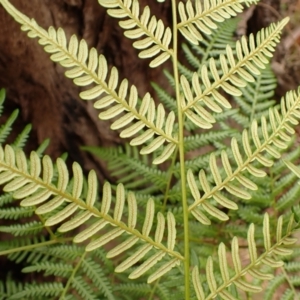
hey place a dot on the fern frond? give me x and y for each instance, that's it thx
(22, 138)
(14, 213)
(136, 290)
(23, 229)
(251, 56)
(211, 46)
(82, 288)
(273, 286)
(295, 169)
(289, 198)
(97, 275)
(199, 140)
(74, 56)
(202, 19)
(293, 266)
(2, 99)
(132, 169)
(6, 128)
(157, 38)
(39, 291)
(9, 288)
(57, 269)
(165, 98)
(27, 184)
(153, 221)
(269, 258)
(288, 295)
(278, 139)
(63, 261)
(256, 98)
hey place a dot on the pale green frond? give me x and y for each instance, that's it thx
(164, 269)
(290, 107)
(78, 180)
(256, 99)
(159, 233)
(90, 231)
(80, 219)
(171, 231)
(74, 209)
(197, 17)
(122, 247)
(104, 239)
(200, 216)
(266, 232)
(234, 75)
(149, 217)
(252, 244)
(154, 38)
(295, 169)
(210, 277)
(236, 276)
(149, 263)
(236, 256)
(247, 287)
(62, 215)
(260, 275)
(132, 210)
(106, 198)
(211, 46)
(133, 258)
(92, 191)
(197, 284)
(223, 262)
(188, 219)
(84, 73)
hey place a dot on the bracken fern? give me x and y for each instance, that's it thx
(202, 204)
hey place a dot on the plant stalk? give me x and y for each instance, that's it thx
(181, 155)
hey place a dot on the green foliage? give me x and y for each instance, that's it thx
(202, 207)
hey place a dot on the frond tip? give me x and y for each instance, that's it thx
(252, 56)
(235, 276)
(204, 19)
(35, 184)
(267, 140)
(157, 38)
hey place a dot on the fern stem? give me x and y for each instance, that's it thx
(62, 297)
(49, 230)
(181, 155)
(170, 176)
(287, 278)
(34, 246)
(255, 100)
(152, 294)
